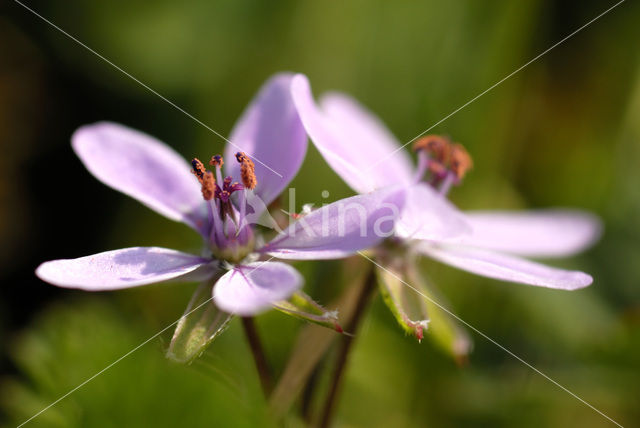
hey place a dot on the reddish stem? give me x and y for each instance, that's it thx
(345, 347)
(259, 357)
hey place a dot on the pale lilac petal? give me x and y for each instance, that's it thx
(351, 140)
(543, 233)
(429, 215)
(250, 289)
(270, 132)
(143, 168)
(379, 150)
(505, 267)
(128, 267)
(340, 229)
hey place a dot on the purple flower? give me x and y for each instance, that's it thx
(268, 147)
(365, 154)
(360, 149)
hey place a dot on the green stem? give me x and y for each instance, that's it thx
(259, 357)
(345, 346)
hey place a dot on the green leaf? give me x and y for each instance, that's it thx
(88, 351)
(199, 326)
(304, 307)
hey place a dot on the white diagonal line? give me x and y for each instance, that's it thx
(114, 363)
(496, 84)
(153, 91)
(128, 353)
(488, 338)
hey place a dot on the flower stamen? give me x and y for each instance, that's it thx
(198, 169)
(446, 162)
(247, 171)
(230, 237)
(461, 161)
(436, 146)
(208, 186)
(217, 162)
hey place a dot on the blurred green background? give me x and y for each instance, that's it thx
(565, 131)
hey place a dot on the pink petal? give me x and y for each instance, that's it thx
(143, 168)
(379, 150)
(340, 229)
(128, 267)
(270, 132)
(505, 267)
(543, 233)
(250, 289)
(351, 140)
(429, 215)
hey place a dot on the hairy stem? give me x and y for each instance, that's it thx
(258, 354)
(345, 347)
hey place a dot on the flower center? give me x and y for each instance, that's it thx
(441, 162)
(230, 236)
